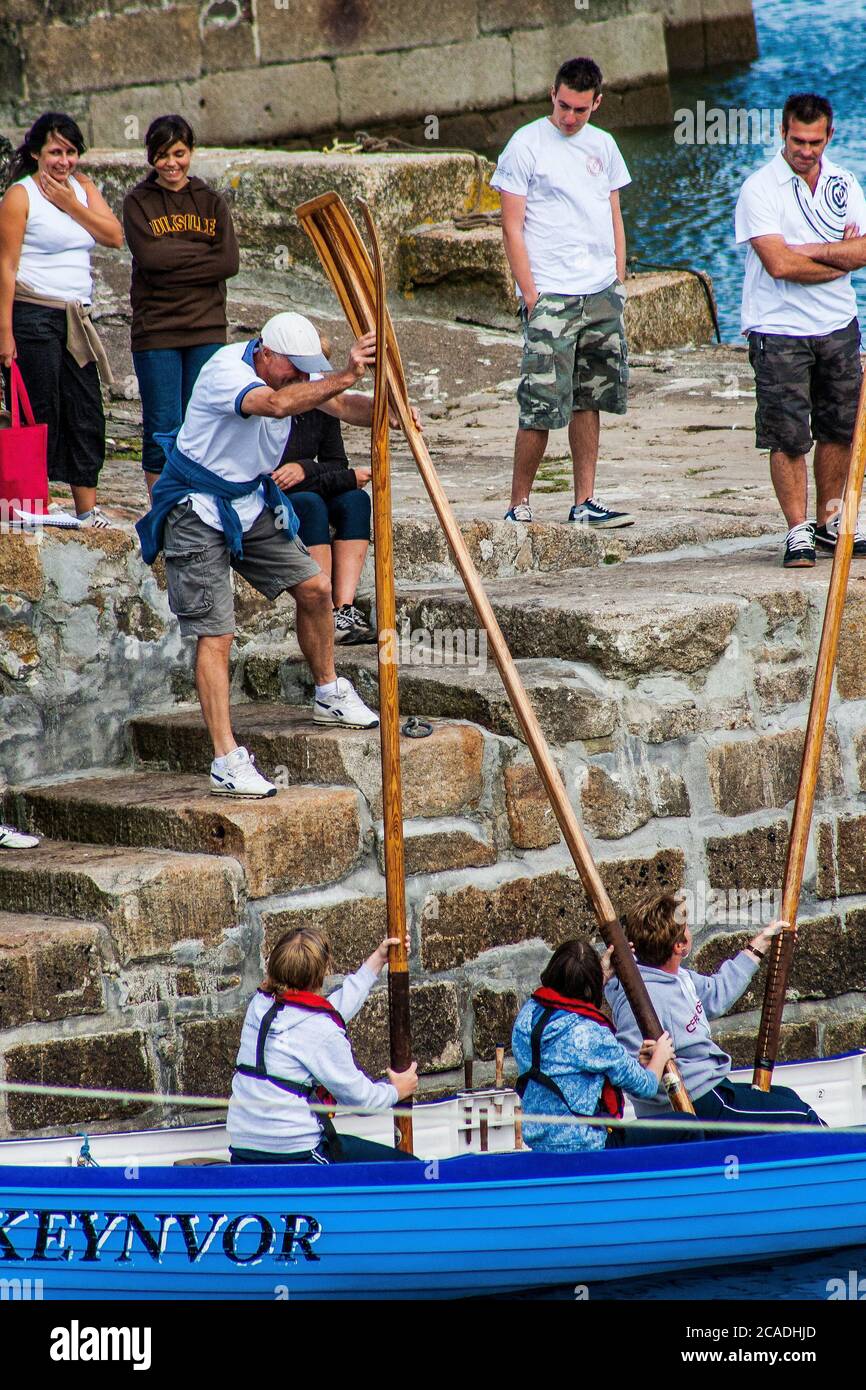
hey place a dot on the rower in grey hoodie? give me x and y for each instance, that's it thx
(685, 1002)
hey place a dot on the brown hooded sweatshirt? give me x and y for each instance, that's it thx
(183, 250)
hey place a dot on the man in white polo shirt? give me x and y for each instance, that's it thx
(217, 506)
(559, 179)
(802, 218)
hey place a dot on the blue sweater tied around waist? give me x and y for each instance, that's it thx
(181, 476)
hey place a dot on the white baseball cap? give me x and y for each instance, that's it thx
(293, 336)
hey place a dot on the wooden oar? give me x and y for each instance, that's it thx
(781, 951)
(389, 703)
(327, 222)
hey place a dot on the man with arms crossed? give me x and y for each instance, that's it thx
(801, 217)
(217, 506)
(559, 179)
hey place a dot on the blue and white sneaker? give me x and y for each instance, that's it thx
(520, 512)
(592, 513)
(827, 536)
(237, 775)
(800, 547)
(344, 707)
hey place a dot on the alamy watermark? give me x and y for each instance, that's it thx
(21, 1290)
(731, 907)
(732, 125)
(437, 646)
(852, 1289)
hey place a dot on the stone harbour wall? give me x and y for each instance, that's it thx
(132, 938)
(278, 69)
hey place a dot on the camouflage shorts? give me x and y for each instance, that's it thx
(574, 358)
(806, 388)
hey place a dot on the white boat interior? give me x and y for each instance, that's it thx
(475, 1121)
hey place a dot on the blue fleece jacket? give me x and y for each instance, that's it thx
(577, 1054)
(181, 476)
(685, 1002)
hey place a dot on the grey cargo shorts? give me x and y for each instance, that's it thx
(198, 568)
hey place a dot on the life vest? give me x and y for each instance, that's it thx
(314, 1003)
(611, 1101)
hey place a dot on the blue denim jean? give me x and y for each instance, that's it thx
(349, 514)
(166, 377)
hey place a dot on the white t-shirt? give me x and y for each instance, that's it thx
(777, 201)
(567, 181)
(215, 434)
(55, 252)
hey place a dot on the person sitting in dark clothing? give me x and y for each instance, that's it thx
(329, 494)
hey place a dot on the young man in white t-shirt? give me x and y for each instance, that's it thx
(559, 179)
(802, 219)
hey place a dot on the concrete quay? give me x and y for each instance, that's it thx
(670, 665)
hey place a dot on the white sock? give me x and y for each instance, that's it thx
(329, 689)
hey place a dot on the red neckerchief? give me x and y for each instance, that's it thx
(611, 1096)
(315, 1003)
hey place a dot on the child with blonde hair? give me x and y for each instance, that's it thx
(294, 1053)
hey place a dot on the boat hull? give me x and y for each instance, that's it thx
(459, 1227)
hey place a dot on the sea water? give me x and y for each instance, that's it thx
(679, 208)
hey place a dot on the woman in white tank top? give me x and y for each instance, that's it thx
(50, 219)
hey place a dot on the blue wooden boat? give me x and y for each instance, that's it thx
(444, 1228)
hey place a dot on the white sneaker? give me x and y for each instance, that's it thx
(13, 839)
(238, 776)
(95, 518)
(344, 707)
(521, 511)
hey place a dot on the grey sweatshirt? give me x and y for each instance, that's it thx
(684, 1002)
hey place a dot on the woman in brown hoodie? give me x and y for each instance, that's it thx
(183, 246)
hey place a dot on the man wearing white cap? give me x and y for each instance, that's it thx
(218, 506)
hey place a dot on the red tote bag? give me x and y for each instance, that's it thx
(23, 455)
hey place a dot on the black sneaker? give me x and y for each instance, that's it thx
(591, 513)
(800, 547)
(827, 536)
(350, 627)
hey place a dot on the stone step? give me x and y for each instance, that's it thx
(674, 616)
(500, 549)
(49, 969)
(149, 900)
(567, 705)
(442, 774)
(465, 271)
(401, 187)
(301, 837)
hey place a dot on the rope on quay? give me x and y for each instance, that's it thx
(719, 1127)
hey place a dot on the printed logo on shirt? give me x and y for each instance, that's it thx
(827, 216)
(695, 1018)
(594, 166)
(182, 222)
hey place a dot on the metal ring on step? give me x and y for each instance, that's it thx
(417, 728)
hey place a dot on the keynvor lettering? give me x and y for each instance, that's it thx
(127, 1238)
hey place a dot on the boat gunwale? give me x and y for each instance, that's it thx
(757, 1153)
